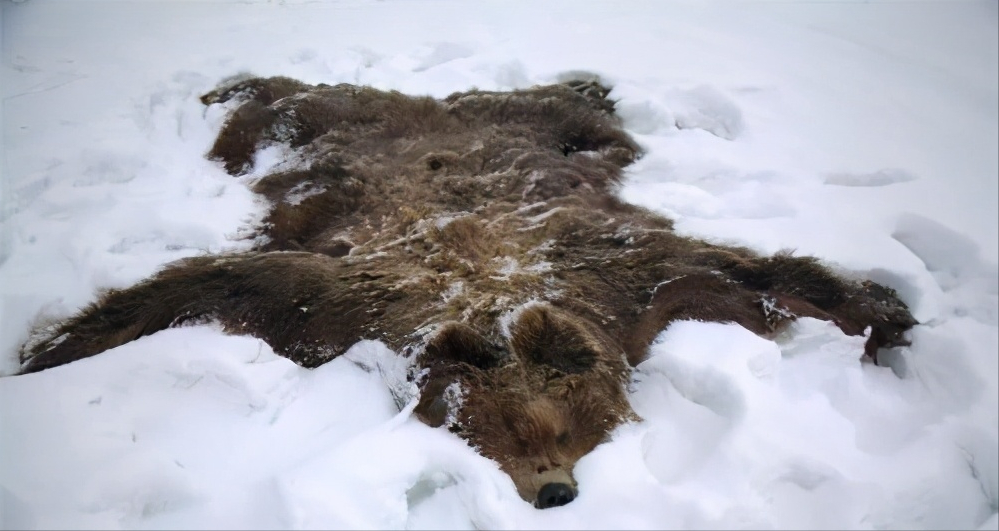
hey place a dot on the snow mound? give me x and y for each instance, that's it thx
(704, 108)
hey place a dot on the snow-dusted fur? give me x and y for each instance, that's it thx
(480, 234)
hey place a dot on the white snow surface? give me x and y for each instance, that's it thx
(863, 133)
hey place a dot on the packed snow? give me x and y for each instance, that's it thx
(863, 133)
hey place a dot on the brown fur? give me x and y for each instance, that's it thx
(481, 236)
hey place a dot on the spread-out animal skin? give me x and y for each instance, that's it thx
(481, 236)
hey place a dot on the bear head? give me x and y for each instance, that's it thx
(534, 399)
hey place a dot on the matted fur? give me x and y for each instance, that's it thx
(481, 235)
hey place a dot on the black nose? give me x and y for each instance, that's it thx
(555, 495)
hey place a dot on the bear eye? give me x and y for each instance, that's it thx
(563, 438)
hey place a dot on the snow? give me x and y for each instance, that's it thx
(864, 133)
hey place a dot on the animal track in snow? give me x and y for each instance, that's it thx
(882, 177)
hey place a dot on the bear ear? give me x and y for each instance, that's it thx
(544, 335)
(457, 342)
(453, 344)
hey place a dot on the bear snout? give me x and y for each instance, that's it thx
(554, 495)
(546, 488)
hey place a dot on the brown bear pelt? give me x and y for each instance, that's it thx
(480, 236)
